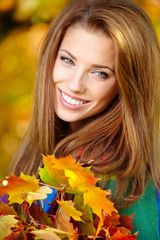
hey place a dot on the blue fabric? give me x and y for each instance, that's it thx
(47, 202)
(158, 204)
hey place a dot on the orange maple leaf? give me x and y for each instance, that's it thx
(23, 188)
(60, 164)
(56, 172)
(83, 181)
(53, 171)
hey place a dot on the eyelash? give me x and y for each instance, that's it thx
(100, 74)
(67, 60)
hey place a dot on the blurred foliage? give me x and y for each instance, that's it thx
(23, 24)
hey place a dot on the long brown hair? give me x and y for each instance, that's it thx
(123, 139)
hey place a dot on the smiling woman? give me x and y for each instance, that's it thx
(97, 99)
(83, 75)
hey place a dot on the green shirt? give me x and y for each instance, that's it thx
(146, 218)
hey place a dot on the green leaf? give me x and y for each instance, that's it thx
(78, 200)
(48, 179)
(87, 228)
(87, 214)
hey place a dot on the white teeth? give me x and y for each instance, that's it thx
(72, 101)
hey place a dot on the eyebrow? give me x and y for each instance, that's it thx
(94, 65)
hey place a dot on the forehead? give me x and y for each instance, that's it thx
(80, 29)
(90, 44)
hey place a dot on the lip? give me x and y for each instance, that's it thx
(70, 106)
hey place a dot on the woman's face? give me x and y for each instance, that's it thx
(83, 75)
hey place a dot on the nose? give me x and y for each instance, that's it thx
(76, 82)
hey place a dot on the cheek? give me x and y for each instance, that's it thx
(57, 72)
(60, 74)
(107, 92)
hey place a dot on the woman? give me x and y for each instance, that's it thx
(97, 98)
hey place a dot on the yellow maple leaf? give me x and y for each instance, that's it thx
(70, 210)
(80, 179)
(96, 198)
(93, 196)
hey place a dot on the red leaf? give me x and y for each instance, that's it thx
(119, 236)
(126, 221)
(39, 215)
(114, 219)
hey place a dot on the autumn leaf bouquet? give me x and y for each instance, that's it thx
(79, 210)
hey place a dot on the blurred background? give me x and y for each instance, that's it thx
(23, 24)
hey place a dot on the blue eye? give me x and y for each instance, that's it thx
(67, 60)
(101, 74)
